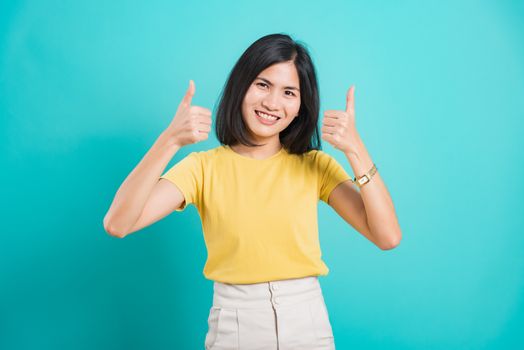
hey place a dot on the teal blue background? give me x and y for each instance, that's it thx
(87, 87)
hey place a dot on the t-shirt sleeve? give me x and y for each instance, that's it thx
(331, 173)
(187, 175)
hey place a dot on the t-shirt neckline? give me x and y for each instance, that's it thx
(276, 155)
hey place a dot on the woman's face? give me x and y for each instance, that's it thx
(275, 91)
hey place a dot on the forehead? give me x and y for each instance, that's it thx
(283, 73)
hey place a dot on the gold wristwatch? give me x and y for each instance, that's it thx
(364, 179)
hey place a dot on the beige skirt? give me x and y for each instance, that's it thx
(277, 315)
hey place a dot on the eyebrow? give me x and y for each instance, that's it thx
(271, 84)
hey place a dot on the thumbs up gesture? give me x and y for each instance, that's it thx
(190, 124)
(338, 127)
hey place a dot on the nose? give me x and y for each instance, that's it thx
(270, 101)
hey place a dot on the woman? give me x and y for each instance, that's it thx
(257, 196)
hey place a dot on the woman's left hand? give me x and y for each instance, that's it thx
(338, 127)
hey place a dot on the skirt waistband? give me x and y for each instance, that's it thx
(264, 294)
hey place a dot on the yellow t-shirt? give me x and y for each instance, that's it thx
(259, 217)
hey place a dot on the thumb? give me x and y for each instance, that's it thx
(350, 99)
(186, 101)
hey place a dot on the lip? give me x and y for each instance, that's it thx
(265, 121)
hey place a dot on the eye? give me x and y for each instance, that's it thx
(262, 84)
(292, 93)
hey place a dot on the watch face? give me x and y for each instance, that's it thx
(363, 179)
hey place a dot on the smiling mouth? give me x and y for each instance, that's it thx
(266, 116)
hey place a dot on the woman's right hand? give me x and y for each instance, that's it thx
(190, 124)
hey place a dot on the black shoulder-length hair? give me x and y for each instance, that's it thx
(302, 134)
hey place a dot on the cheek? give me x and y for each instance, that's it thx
(252, 96)
(293, 107)
(247, 104)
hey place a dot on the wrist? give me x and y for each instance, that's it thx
(359, 158)
(357, 150)
(167, 141)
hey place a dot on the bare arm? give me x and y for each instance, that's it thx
(379, 210)
(131, 197)
(143, 198)
(370, 210)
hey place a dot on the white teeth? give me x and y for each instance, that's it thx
(266, 116)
